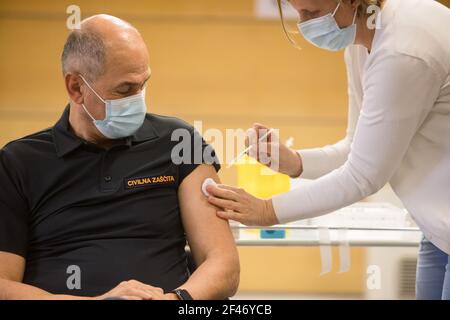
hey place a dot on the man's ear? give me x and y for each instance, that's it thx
(73, 87)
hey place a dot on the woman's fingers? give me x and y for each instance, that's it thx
(262, 130)
(258, 127)
(236, 190)
(263, 151)
(247, 140)
(225, 204)
(252, 137)
(223, 191)
(238, 205)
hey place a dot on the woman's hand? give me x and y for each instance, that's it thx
(241, 206)
(289, 161)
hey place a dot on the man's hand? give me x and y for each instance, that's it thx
(11, 287)
(135, 290)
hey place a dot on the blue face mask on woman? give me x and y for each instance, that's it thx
(324, 32)
(123, 116)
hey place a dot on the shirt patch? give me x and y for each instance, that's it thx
(149, 181)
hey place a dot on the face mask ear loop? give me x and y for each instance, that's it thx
(89, 114)
(84, 107)
(354, 17)
(92, 89)
(337, 8)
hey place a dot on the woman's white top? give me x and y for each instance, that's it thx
(398, 126)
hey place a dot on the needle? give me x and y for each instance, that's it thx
(248, 149)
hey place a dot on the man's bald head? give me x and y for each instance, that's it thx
(97, 42)
(106, 59)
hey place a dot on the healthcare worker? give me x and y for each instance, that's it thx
(398, 127)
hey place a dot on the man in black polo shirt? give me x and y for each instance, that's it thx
(96, 206)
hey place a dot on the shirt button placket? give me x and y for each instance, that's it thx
(106, 178)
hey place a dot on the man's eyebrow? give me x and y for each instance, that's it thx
(132, 83)
(308, 11)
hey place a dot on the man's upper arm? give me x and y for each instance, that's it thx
(13, 207)
(207, 234)
(12, 266)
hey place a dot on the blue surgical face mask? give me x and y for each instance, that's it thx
(123, 116)
(324, 32)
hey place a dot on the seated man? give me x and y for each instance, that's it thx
(98, 209)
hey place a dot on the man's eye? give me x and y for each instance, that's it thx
(123, 90)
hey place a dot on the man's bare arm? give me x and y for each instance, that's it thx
(210, 240)
(12, 269)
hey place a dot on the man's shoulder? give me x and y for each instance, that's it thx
(29, 144)
(166, 125)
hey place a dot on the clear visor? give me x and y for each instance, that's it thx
(289, 21)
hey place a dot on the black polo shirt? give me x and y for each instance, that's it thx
(71, 208)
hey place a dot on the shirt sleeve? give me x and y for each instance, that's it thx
(13, 211)
(317, 162)
(399, 92)
(200, 153)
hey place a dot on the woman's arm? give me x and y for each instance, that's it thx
(210, 239)
(400, 91)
